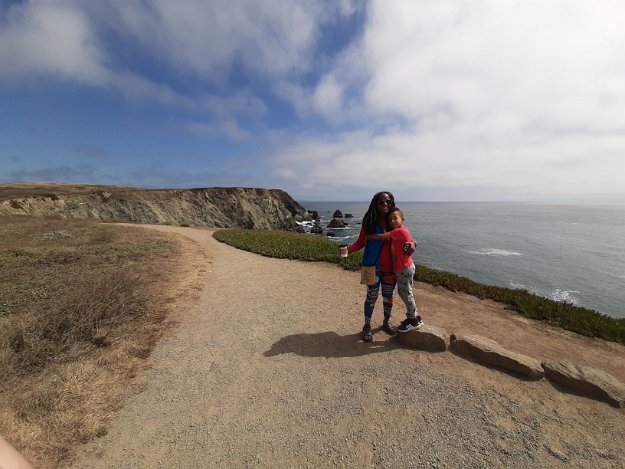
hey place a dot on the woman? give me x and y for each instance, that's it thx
(378, 252)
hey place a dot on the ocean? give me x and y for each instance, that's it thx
(570, 253)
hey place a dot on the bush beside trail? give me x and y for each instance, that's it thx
(288, 245)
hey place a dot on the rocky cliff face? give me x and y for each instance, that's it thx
(219, 207)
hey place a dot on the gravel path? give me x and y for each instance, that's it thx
(266, 369)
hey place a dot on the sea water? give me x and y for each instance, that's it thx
(570, 253)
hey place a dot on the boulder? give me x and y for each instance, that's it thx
(431, 338)
(349, 215)
(337, 214)
(586, 381)
(105, 196)
(314, 214)
(491, 353)
(316, 229)
(337, 223)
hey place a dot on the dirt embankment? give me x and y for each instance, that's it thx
(266, 369)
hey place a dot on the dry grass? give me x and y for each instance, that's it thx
(51, 189)
(81, 307)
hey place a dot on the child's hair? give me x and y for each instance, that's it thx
(372, 217)
(388, 216)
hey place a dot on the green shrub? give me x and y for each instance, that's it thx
(306, 247)
(288, 245)
(574, 318)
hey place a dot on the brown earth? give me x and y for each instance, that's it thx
(266, 369)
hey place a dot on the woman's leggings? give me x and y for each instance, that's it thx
(387, 281)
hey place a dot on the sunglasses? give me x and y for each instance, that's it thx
(385, 202)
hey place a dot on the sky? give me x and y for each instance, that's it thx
(433, 100)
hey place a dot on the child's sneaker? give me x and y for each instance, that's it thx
(410, 324)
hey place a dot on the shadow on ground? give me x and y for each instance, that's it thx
(329, 344)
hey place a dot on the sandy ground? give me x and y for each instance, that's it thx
(266, 369)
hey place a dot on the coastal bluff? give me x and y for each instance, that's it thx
(216, 207)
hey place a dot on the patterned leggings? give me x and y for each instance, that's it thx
(387, 281)
(404, 288)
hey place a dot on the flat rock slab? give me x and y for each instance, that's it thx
(586, 381)
(431, 338)
(490, 352)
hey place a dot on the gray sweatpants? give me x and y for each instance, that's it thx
(404, 288)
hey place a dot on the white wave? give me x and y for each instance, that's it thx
(495, 252)
(340, 237)
(566, 296)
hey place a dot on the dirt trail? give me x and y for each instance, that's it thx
(266, 369)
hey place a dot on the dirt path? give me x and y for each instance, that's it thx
(266, 369)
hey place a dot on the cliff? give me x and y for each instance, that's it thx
(220, 207)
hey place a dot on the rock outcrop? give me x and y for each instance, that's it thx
(316, 229)
(337, 223)
(218, 207)
(490, 352)
(432, 338)
(586, 381)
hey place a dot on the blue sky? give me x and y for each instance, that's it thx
(329, 100)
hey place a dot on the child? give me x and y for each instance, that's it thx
(403, 266)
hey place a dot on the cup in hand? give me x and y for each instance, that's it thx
(343, 250)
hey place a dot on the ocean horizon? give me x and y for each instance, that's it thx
(573, 253)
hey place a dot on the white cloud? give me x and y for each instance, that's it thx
(207, 38)
(442, 163)
(67, 40)
(502, 98)
(555, 62)
(50, 38)
(328, 97)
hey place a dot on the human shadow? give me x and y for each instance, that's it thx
(329, 345)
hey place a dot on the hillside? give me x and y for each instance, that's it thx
(218, 207)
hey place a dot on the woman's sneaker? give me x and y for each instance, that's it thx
(366, 335)
(410, 324)
(389, 328)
